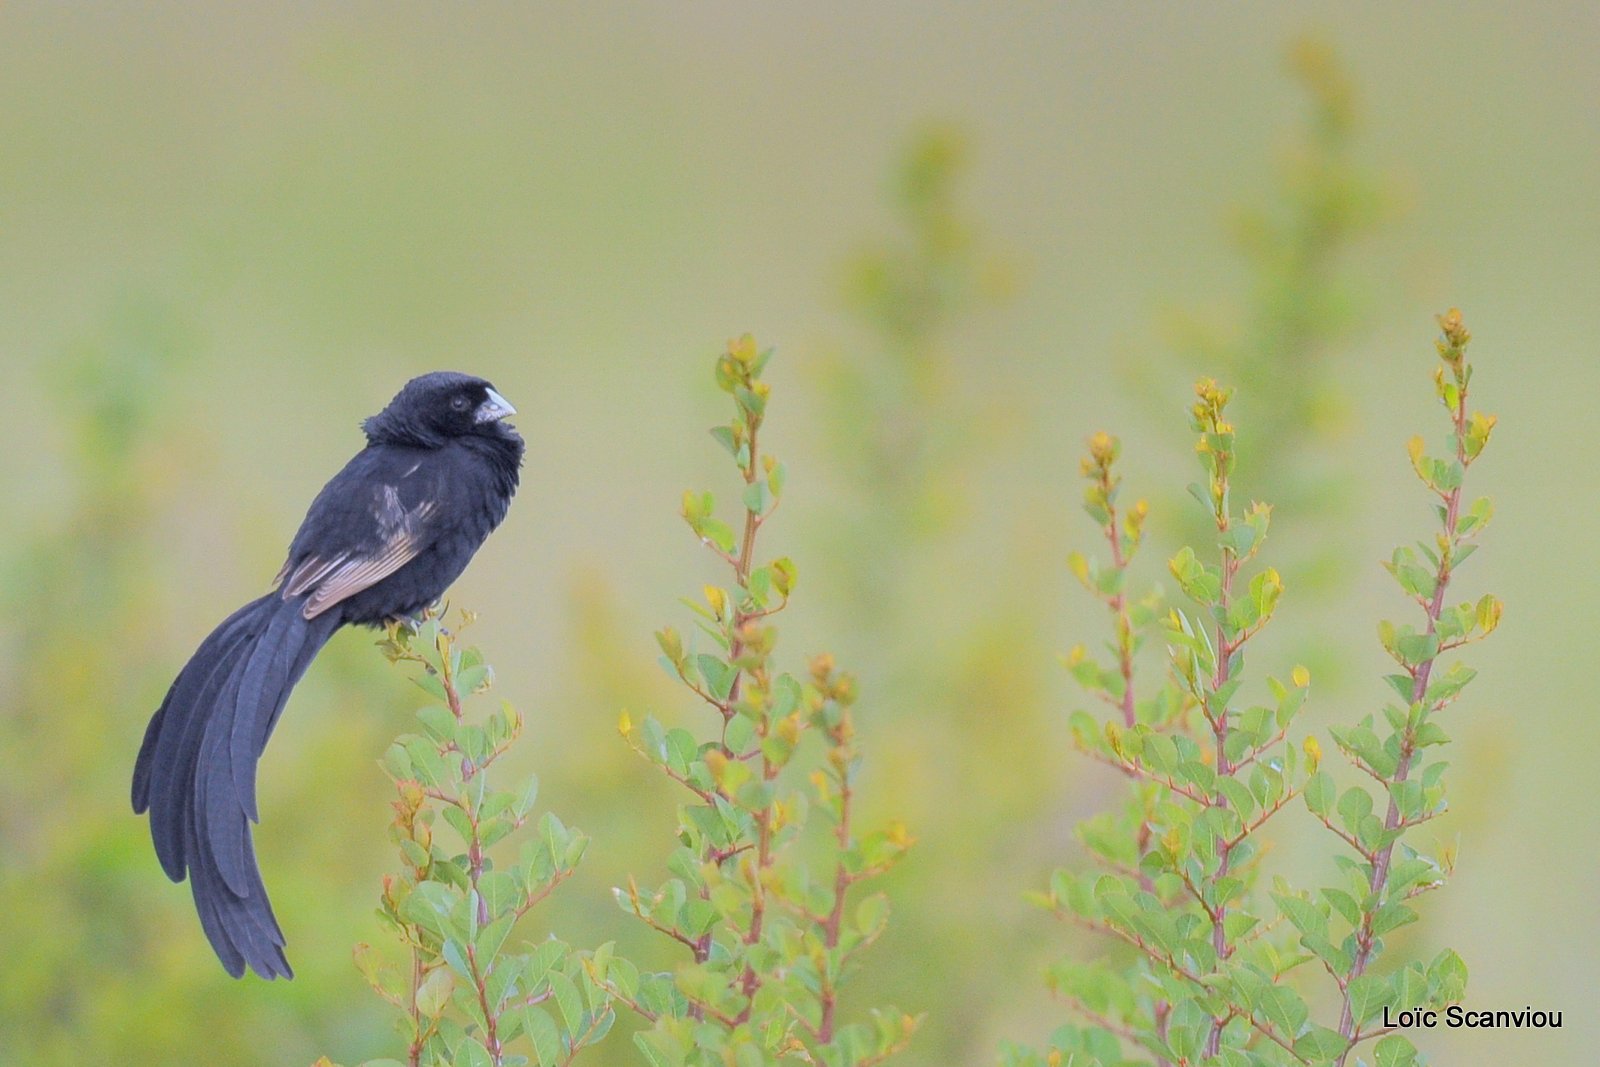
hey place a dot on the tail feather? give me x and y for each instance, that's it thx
(242, 930)
(180, 700)
(268, 676)
(196, 772)
(168, 759)
(218, 809)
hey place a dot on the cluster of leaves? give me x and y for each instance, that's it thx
(1343, 926)
(769, 937)
(465, 999)
(1177, 880)
(1179, 859)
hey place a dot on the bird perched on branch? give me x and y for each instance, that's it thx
(381, 542)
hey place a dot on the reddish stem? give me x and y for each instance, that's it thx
(1365, 939)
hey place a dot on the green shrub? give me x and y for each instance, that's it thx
(465, 999)
(763, 897)
(1213, 967)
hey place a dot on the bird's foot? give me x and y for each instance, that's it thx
(411, 624)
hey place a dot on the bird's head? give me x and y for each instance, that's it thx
(436, 407)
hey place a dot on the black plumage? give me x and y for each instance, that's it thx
(382, 541)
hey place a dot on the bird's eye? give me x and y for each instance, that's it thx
(461, 403)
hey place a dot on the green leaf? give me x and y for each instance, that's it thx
(1417, 648)
(397, 761)
(600, 1028)
(741, 732)
(1320, 1044)
(1160, 753)
(1431, 733)
(719, 675)
(545, 1035)
(871, 914)
(1198, 775)
(1447, 686)
(438, 721)
(426, 763)
(567, 999)
(697, 916)
(671, 644)
(1283, 1007)
(750, 400)
(455, 954)
(495, 803)
(757, 498)
(1354, 805)
(1237, 795)
(1368, 994)
(1407, 798)
(718, 533)
(543, 960)
(1393, 1050)
(1200, 582)
(1344, 904)
(655, 1046)
(1402, 684)
(473, 1054)
(458, 822)
(429, 905)
(475, 679)
(682, 749)
(434, 992)
(1239, 539)
(1305, 916)
(1447, 975)
(1392, 916)
(1320, 793)
(429, 683)
(492, 937)
(524, 802)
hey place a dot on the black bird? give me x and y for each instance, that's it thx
(381, 542)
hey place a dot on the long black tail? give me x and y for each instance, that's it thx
(196, 771)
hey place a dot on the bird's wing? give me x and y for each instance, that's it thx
(360, 530)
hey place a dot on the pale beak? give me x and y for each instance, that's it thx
(496, 407)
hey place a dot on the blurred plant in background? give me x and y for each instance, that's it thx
(907, 433)
(901, 429)
(1307, 300)
(84, 658)
(64, 815)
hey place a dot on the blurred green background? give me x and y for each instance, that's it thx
(228, 232)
